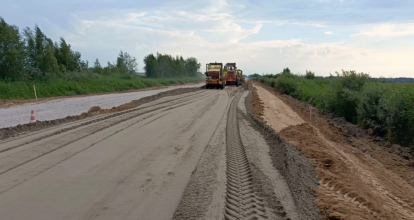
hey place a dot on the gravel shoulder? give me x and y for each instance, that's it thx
(52, 109)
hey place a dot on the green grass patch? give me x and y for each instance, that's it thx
(102, 84)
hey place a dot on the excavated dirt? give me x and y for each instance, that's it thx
(296, 169)
(268, 181)
(276, 112)
(394, 157)
(258, 105)
(95, 110)
(360, 177)
(352, 185)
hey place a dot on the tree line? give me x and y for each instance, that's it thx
(31, 55)
(164, 65)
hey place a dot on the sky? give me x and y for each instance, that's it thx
(323, 36)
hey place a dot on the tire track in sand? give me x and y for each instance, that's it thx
(20, 158)
(242, 202)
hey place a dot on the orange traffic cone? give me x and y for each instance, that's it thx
(32, 117)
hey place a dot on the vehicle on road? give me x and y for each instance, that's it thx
(215, 76)
(239, 73)
(230, 74)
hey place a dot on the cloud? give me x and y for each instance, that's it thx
(387, 30)
(210, 32)
(265, 55)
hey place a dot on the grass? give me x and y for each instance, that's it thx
(387, 108)
(59, 87)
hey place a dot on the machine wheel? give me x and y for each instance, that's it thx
(207, 87)
(237, 83)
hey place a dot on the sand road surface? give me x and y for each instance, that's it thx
(176, 157)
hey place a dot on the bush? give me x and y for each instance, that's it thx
(309, 75)
(369, 110)
(385, 107)
(347, 87)
(397, 111)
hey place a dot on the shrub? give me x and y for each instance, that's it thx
(309, 75)
(369, 110)
(286, 84)
(398, 114)
(387, 108)
(346, 88)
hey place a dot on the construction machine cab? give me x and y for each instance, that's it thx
(215, 77)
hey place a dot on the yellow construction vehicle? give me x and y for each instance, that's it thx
(239, 73)
(230, 74)
(215, 76)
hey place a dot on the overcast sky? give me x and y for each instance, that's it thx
(372, 36)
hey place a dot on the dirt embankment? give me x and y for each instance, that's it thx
(359, 178)
(292, 164)
(13, 131)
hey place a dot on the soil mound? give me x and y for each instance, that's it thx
(360, 176)
(352, 186)
(94, 109)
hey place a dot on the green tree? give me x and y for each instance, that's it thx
(164, 65)
(11, 51)
(97, 66)
(286, 70)
(192, 66)
(40, 62)
(309, 75)
(126, 63)
(150, 66)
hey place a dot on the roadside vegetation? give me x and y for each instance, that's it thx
(386, 108)
(30, 58)
(98, 84)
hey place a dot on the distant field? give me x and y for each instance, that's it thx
(59, 87)
(387, 108)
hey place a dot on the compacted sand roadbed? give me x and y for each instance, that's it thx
(188, 156)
